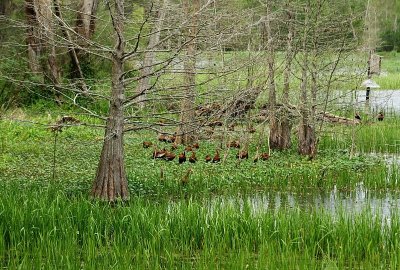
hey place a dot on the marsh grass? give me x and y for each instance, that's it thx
(373, 136)
(44, 228)
(27, 153)
(53, 224)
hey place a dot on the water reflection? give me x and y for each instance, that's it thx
(353, 202)
(386, 100)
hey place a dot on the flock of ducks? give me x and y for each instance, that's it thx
(169, 155)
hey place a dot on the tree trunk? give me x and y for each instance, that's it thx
(84, 26)
(40, 39)
(111, 183)
(71, 48)
(4, 4)
(307, 140)
(274, 139)
(5, 10)
(31, 38)
(86, 19)
(285, 124)
(186, 133)
(149, 55)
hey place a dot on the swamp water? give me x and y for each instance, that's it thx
(380, 202)
(380, 100)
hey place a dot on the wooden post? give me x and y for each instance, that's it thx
(368, 75)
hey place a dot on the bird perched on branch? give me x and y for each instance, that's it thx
(182, 157)
(381, 116)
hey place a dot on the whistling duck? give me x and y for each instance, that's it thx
(242, 155)
(233, 144)
(171, 139)
(381, 116)
(193, 158)
(162, 137)
(169, 156)
(147, 144)
(196, 145)
(159, 154)
(182, 157)
(216, 158)
(188, 148)
(252, 130)
(208, 158)
(263, 156)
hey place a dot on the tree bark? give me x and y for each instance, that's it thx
(285, 126)
(306, 135)
(84, 26)
(4, 11)
(31, 38)
(72, 51)
(111, 183)
(86, 18)
(186, 133)
(274, 139)
(149, 55)
(40, 36)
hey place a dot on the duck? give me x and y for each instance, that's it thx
(208, 158)
(159, 153)
(162, 137)
(263, 156)
(196, 145)
(147, 144)
(182, 157)
(216, 158)
(233, 144)
(242, 155)
(381, 116)
(169, 156)
(193, 158)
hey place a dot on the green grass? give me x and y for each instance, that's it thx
(52, 223)
(373, 136)
(390, 81)
(45, 228)
(26, 152)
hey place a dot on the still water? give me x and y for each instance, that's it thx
(380, 100)
(384, 202)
